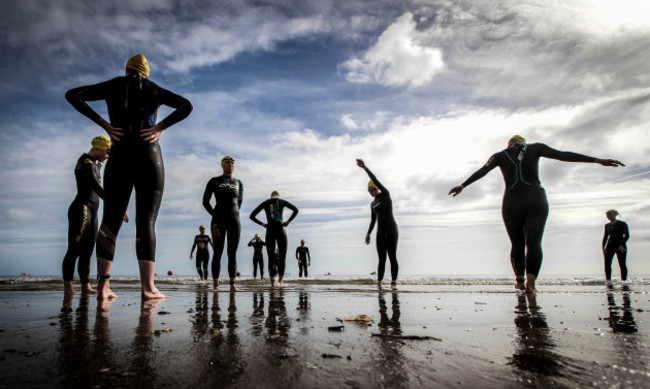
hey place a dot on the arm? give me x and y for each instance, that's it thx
(627, 233)
(373, 219)
(241, 194)
(193, 247)
(297, 251)
(480, 173)
(308, 256)
(254, 214)
(568, 156)
(293, 214)
(374, 179)
(207, 195)
(210, 242)
(77, 97)
(251, 242)
(605, 237)
(182, 109)
(93, 179)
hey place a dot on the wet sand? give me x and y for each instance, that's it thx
(263, 338)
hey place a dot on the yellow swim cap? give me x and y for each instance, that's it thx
(101, 142)
(227, 158)
(516, 139)
(612, 211)
(372, 185)
(257, 235)
(275, 193)
(201, 227)
(302, 241)
(139, 63)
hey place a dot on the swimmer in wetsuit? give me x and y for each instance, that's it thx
(381, 212)
(276, 233)
(525, 206)
(258, 257)
(82, 214)
(228, 193)
(303, 257)
(614, 242)
(136, 162)
(202, 254)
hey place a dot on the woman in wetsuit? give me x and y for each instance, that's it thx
(136, 162)
(525, 206)
(229, 194)
(276, 233)
(82, 214)
(381, 212)
(202, 254)
(258, 257)
(614, 242)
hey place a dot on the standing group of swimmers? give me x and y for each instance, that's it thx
(136, 163)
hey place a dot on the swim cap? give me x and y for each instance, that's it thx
(372, 185)
(516, 139)
(302, 241)
(257, 235)
(612, 211)
(275, 193)
(201, 227)
(101, 142)
(227, 158)
(139, 63)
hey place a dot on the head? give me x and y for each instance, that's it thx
(516, 140)
(257, 236)
(101, 147)
(202, 229)
(275, 194)
(373, 189)
(302, 242)
(139, 64)
(611, 214)
(228, 165)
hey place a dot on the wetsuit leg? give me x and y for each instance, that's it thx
(514, 220)
(255, 260)
(391, 250)
(622, 256)
(76, 228)
(381, 253)
(300, 268)
(219, 240)
(118, 185)
(149, 184)
(534, 227)
(202, 259)
(233, 234)
(609, 257)
(282, 245)
(270, 239)
(87, 247)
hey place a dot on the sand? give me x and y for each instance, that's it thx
(297, 337)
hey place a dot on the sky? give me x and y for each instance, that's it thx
(423, 91)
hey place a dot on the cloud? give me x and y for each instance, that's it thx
(397, 59)
(21, 215)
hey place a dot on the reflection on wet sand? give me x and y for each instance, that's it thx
(621, 319)
(391, 363)
(534, 348)
(257, 317)
(142, 369)
(277, 322)
(199, 318)
(74, 340)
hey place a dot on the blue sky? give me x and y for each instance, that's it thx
(423, 91)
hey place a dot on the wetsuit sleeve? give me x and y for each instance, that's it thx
(92, 177)
(376, 181)
(480, 173)
(626, 232)
(193, 247)
(567, 156)
(77, 97)
(605, 236)
(297, 251)
(182, 106)
(308, 256)
(210, 241)
(207, 195)
(373, 219)
(255, 212)
(292, 208)
(251, 242)
(240, 199)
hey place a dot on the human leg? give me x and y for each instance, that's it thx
(282, 261)
(234, 233)
(513, 218)
(622, 256)
(219, 241)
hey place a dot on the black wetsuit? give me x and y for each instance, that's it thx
(381, 212)
(302, 255)
(276, 233)
(82, 218)
(258, 256)
(202, 254)
(525, 206)
(228, 193)
(132, 104)
(616, 235)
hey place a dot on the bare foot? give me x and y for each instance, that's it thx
(234, 288)
(87, 289)
(530, 283)
(104, 291)
(68, 288)
(104, 305)
(379, 285)
(393, 285)
(153, 294)
(216, 286)
(520, 285)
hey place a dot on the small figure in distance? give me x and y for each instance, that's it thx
(202, 254)
(258, 256)
(276, 232)
(615, 242)
(381, 212)
(525, 205)
(303, 257)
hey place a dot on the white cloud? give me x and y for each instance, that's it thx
(397, 59)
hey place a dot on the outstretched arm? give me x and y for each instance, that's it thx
(480, 173)
(568, 156)
(372, 176)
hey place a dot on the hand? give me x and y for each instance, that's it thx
(264, 225)
(621, 248)
(609, 162)
(191, 255)
(126, 218)
(114, 133)
(286, 224)
(361, 164)
(309, 263)
(299, 262)
(367, 238)
(456, 190)
(152, 134)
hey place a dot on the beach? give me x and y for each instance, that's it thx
(425, 334)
